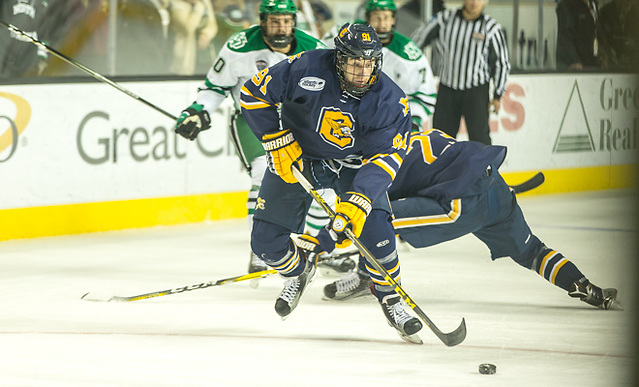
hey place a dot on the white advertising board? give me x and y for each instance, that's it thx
(568, 121)
(81, 143)
(84, 143)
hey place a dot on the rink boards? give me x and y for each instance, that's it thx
(86, 157)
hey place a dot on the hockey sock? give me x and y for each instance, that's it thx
(557, 269)
(382, 287)
(292, 264)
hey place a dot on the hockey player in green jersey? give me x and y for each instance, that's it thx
(243, 55)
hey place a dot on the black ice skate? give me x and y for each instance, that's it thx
(294, 288)
(350, 286)
(330, 266)
(406, 325)
(594, 295)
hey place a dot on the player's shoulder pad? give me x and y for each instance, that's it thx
(247, 40)
(404, 47)
(307, 42)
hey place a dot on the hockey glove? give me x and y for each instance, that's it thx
(282, 150)
(192, 121)
(350, 213)
(310, 244)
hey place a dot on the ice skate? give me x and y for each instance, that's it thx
(406, 325)
(294, 288)
(335, 264)
(594, 295)
(350, 286)
(256, 264)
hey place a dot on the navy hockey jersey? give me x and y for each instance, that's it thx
(329, 123)
(437, 166)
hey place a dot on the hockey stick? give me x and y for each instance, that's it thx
(529, 184)
(82, 67)
(258, 274)
(450, 339)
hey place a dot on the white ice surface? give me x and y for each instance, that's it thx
(230, 335)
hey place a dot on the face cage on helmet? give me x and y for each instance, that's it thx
(277, 41)
(340, 62)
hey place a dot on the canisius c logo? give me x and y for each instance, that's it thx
(336, 127)
(11, 128)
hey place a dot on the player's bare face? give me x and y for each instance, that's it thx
(473, 8)
(382, 21)
(358, 72)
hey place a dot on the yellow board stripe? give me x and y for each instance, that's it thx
(118, 215)
(416, 221)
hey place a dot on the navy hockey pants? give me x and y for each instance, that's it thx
(281, 210)
(493, 216)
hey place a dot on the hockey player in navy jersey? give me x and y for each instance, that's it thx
(243, 55)
(336, 116)
(446, 189)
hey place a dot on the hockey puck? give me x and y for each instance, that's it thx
(487, 369)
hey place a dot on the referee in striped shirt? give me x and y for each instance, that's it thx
(472, 49)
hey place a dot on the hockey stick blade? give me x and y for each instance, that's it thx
(529, 184)
(111, 298)
(449, 339)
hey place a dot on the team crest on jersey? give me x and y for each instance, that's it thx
(312, 83)
(412, 51)
(261, 65)
(336, 127)
(238, 40)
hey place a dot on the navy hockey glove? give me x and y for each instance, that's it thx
(350, 213)
(192, 121)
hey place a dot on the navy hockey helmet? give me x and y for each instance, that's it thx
(277, 7)
(360, 42)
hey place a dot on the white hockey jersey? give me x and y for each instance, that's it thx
(244, 55)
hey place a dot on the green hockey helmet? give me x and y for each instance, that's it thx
(277, 7)
(380, 5)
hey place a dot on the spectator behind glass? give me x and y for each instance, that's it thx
(19, 57)
(194, 26)
(409, 15)
(578, 35)
(143, 46)
(620, 24)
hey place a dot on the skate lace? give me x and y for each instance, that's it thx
(350, 282)
(290, 289)
(398, 313)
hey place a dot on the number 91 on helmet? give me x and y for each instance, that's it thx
(358, 58)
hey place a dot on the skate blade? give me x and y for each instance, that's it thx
(413, 339)
(615, 305)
